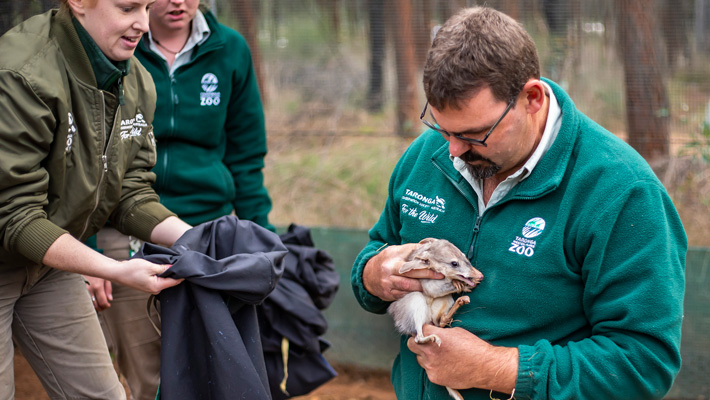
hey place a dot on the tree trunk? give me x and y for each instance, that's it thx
(673, 17)
(447, 8)
(332, 10)
(248, 17)
(375, 94)
(647, 107)
(422, 30)
(407, 104)
(557, 14)
(511, 8)
(702, 25)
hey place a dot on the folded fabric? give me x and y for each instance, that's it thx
(211, 345)
(291, 320)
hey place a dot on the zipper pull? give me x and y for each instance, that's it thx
(173, 83)
(103, 158)
(121, 98)
(476, 229)
(477, 225)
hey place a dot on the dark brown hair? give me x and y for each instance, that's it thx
(475, 48)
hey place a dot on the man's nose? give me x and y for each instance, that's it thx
(457, 147)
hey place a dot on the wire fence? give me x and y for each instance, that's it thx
(338, 69)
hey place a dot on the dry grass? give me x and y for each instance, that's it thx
(330, 181)
(342, 182)
(687, 179)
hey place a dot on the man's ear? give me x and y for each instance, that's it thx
(534, 91)
(77, 7)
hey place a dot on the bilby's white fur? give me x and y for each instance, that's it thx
(435, 303)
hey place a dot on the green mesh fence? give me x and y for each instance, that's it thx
(369, 340)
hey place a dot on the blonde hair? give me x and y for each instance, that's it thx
(65, 3)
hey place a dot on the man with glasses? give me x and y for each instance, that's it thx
(581, 247)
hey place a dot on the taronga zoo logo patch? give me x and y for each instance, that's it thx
(209, 96)
(525, 246)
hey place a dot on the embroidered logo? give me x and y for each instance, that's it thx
(209, 96)
(133, 126)
(534, 227)
(72, 131)
(424, 208)
(525, 246)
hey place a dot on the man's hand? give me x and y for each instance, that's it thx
(478, 363)
(381, 275)
(100, 291)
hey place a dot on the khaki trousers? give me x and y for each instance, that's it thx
(128, 330)
(50, 316)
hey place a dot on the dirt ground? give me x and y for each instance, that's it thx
(350, 384)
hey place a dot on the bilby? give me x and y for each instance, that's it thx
(435, 303)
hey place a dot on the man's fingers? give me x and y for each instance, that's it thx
(406, 284)
(398, 294)
(423, 273)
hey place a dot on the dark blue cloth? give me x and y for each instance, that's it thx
(293, 311)
(211, 345)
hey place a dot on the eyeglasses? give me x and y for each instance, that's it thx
(475, 142)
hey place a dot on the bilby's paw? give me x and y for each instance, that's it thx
(427, 339)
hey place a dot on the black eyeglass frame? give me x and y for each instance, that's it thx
(475, 142)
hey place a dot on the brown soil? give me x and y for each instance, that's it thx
(350, 384)
(354, 384)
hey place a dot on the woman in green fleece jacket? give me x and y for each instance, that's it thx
(76, 149)
(210, 131)
(582, 250)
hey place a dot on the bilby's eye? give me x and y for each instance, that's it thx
(454, 264)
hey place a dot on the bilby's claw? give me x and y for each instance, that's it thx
(427, 339)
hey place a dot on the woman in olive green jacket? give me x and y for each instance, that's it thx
(76, 149)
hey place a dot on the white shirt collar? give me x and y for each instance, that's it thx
(199, 33)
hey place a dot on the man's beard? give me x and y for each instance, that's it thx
(479, 171)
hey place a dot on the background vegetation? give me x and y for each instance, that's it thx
(341, 85)
(331, 151)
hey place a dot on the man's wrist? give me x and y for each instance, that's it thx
(505, 367)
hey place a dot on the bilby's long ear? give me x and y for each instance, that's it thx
(419, 262)
(422, 250)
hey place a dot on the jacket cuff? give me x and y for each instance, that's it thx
(36, 237)
(531, 360)
(368, 301)
(143, 218)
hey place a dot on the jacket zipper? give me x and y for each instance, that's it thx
(174, 101)
(476, 229)
(476, 224)
(104, 162)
